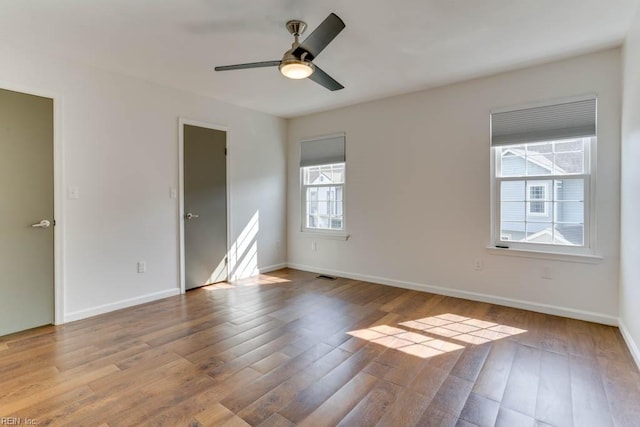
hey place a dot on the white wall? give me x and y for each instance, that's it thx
(630, 194)
(119, 137)
(418, 192)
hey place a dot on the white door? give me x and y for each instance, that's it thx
(26, 211)
(205, 205)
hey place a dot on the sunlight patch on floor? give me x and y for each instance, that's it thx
(431, 336)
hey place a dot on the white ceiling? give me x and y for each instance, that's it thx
(387, 48)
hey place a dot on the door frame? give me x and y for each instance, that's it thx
(181, 123)
(58, 192)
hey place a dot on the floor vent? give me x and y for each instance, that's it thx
(324, 276)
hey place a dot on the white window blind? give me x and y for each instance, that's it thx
(322, 151)
(572, 119)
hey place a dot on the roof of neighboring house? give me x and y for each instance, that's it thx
(538, 237)
(541, 161)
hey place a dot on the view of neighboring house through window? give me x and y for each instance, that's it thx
(541, 190)
(542, 175)
(322, 167)
(324, 188)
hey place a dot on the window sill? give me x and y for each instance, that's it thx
(325, 235)
(555, 256)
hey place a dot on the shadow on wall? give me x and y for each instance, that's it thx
(242, 255)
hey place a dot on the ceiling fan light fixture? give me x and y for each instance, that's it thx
(296, 69)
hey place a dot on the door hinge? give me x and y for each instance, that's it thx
(225, 151)
(54, 222)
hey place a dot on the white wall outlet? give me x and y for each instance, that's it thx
(477, 264)
(547, 272)
(173, 193)
(142, 266)
(314, 246)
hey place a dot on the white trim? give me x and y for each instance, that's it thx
(270, 268)
(572, 313)
(324, 235)
(181, 122)
(58, 193)
(118, 305)
(633, 346)
(555, 256)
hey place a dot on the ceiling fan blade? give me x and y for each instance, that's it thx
(320, 37)
(248, 65)
(325, 79)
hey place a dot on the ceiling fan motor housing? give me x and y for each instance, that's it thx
(296, 27)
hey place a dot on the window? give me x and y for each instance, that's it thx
(537, 198)
(542, 177)
(323, 189)
(322, 170)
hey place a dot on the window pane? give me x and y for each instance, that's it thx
(512, 211)
(569, 189)
(568, 163)
(325, 174)
(512, 191)
(539, 211)
(569, 234)
(539, 148)
(512, 161)
(539, 232)
(539, 165)
(512, 231)
(569, 212)
(569, 145)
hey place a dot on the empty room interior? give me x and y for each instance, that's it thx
(279, 213)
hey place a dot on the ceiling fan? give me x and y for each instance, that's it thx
(297, 61)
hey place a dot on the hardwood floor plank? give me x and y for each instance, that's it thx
(406, 411)
(521, 392)
(493, 377)
(312, 397)
(590, 406)
(450, 397)
(373, 406)
(554, 390)
(274, 378)
(480, 411)
(277, 398)
(622, 387)
(54, 387)
(509, 418)
(334, 408)
(286, 348)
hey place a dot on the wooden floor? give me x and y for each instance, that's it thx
(290, 349)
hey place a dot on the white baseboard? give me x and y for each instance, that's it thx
(270, 268)
(106, 308)
(633, 346)
(474, 296)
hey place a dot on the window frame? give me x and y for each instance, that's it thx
(589, 178)
(341, 233)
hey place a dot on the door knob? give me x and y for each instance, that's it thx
(42, 224)
(191, 216)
